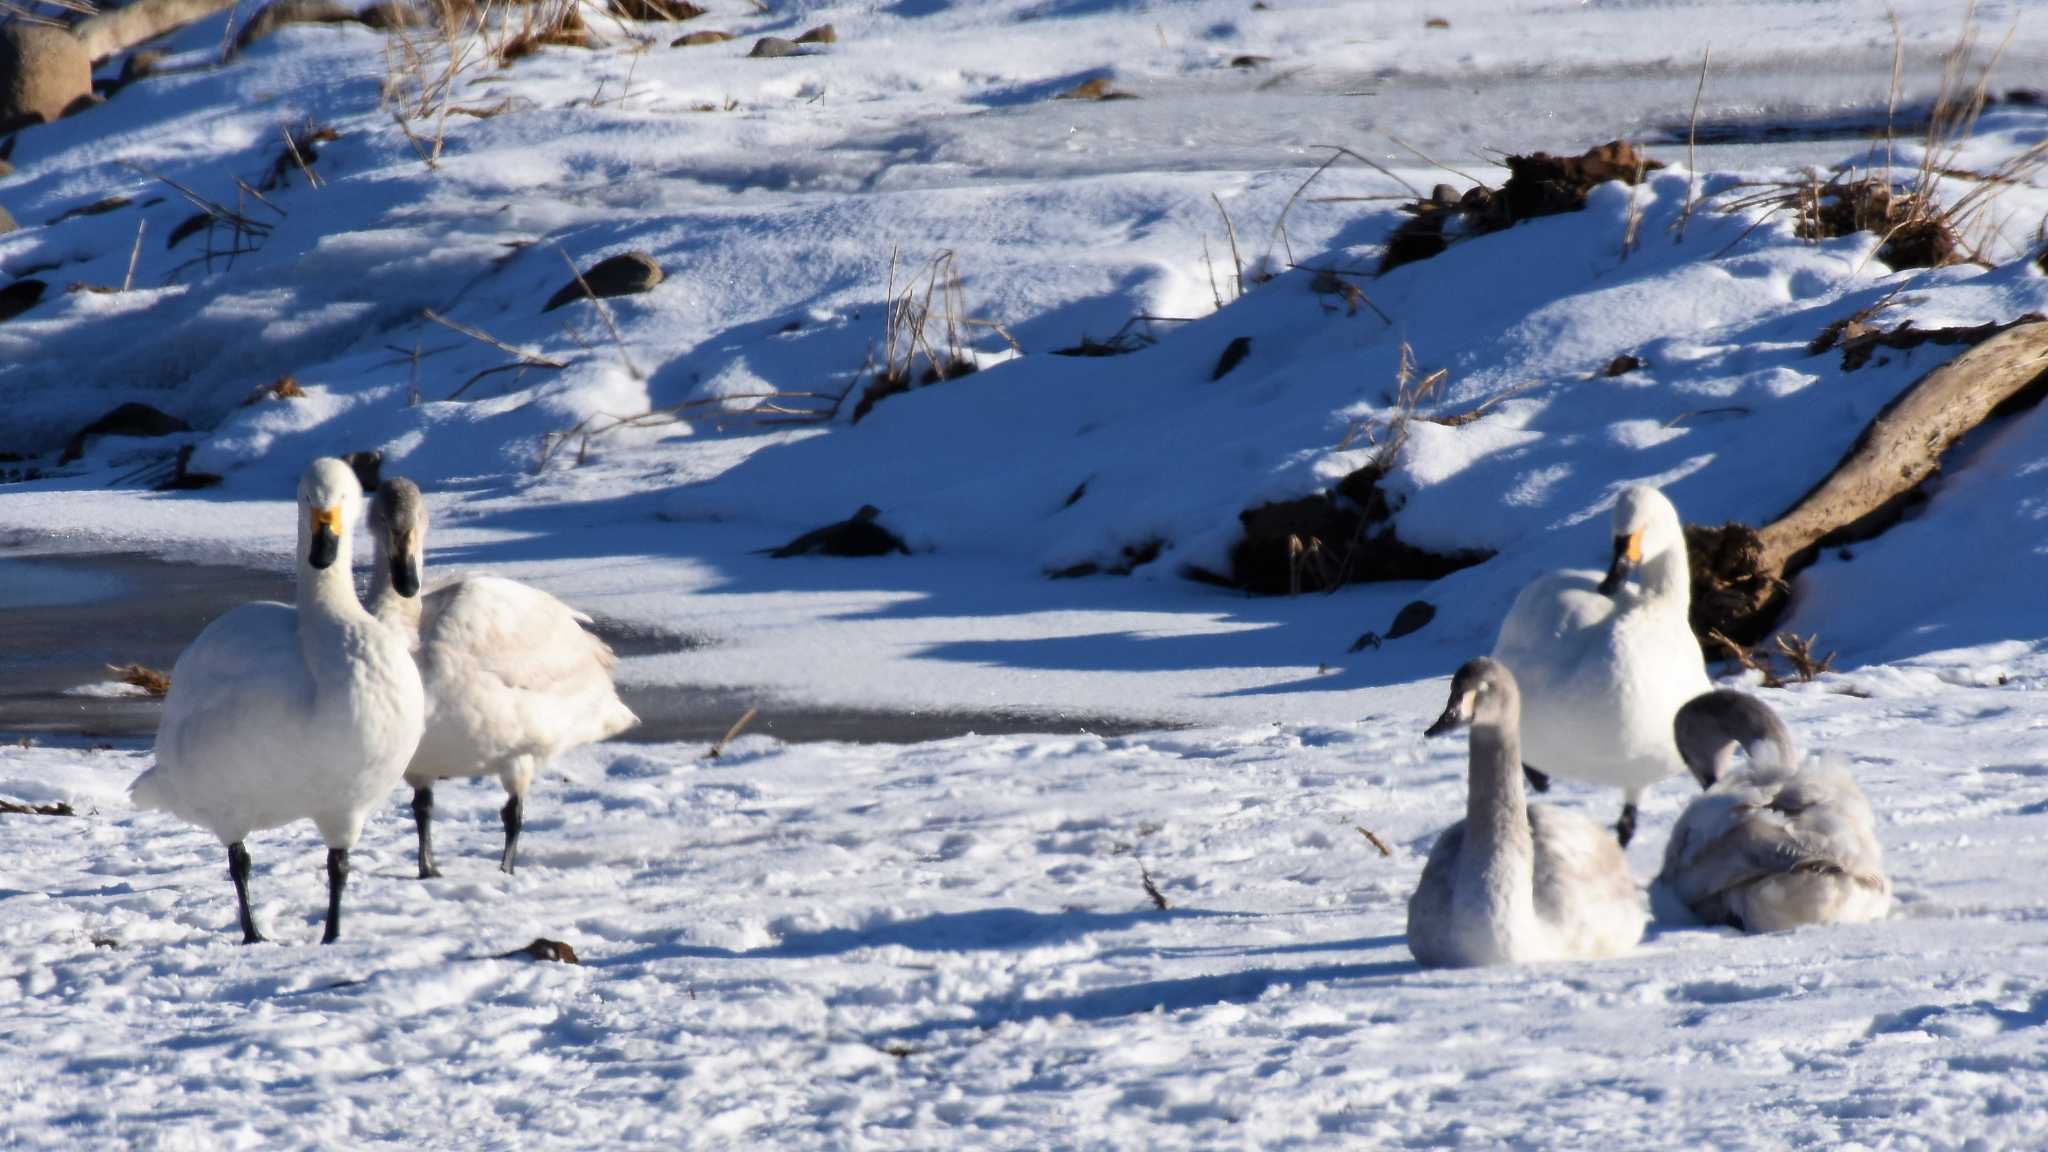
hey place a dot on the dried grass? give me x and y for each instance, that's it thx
(1915, 229)
(927, 320)
(150, 680)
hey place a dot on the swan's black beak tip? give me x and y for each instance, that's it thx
(405, 577)
(326, 547)
(1628, 552)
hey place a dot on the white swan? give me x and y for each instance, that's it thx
(1511, 882)
(1774, 845)
(512, 679)
(1604, 666)
(279, 713)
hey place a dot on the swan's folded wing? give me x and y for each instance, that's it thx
(526, 652)
(244, 666)
(1582, 876)
(1748, 830)
(1554, 607)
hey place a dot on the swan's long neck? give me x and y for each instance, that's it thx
(327, 596)
(1501, 849)
(1667, 578)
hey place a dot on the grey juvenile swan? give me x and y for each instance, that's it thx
(512, 679)
(1511, 882)
(1773, 845)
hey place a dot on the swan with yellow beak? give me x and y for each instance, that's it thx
(1605, 662)
(282, 712)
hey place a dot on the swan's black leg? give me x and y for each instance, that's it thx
(514, 814)
(1540, 781)
(337, 879)
(238, 869)
(423, 820)
(1625, 828)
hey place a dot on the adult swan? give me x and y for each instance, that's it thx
(1605, 663)
(279, 713)
(512, 678)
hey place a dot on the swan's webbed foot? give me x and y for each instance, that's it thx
(423, 820)
(337, 879)
(1540, 781)
(1625, 828)
(514, 815)
(238, 870)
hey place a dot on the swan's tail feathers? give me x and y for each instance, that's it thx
(617, 718)
(148, 790)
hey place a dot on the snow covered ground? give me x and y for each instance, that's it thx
(948, 944)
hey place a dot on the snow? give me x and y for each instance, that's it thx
(948, 943)
(763, 934)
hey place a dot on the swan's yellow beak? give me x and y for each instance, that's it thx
(326, 536)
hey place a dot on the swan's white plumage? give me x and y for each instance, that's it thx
(1602, 675)
(512, 677)
(1769, 846)
(279, 712)
(512, 680)
(1532, 882)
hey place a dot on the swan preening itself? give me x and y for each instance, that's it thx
(1773, 845)
(512, 678)
(280, 712)
(1604, 664)
(1513, 882)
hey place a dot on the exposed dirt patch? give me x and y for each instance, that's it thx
(127, 420)
(1135, 556)
(1538, 185)
(1344, 535)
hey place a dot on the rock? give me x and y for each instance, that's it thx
(140, 64)
(113, 31)
(1233, 355)
(1446, 196)
(822, 34)
(543, 948)
(284, 13)
(128, 420)
(1622, 365)
(1413, 617)
(44, 72)
(673, 11)
(1250, 60)
(1436, 22)
(772, 47)
(699, 39)
(626, 274)
(19, 297)
(858, 535)
(96, 208)
(392, 15)
(6, 221)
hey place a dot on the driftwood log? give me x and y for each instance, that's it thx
(119, 29)
(1740, 574)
